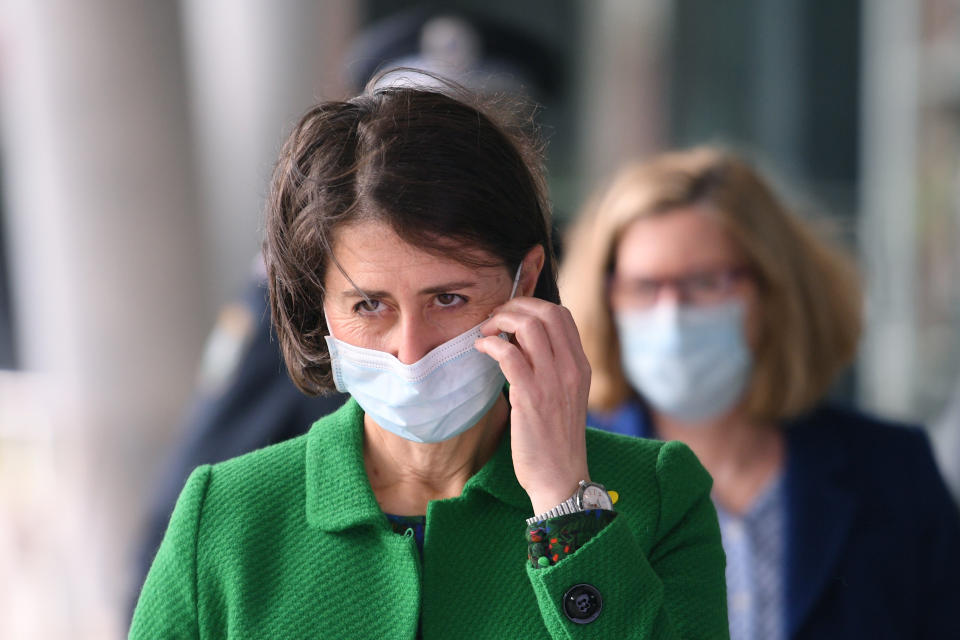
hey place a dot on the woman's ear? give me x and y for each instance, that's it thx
(530, 272)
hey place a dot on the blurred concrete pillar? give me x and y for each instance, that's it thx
(254, 67)
(623, 84)
(888, 204)
(107, 273)
(779, 102)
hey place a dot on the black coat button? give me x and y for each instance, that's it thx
(582, 603)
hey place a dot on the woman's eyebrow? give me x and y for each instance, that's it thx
(439, 288)
(363, 293)
(449, 286)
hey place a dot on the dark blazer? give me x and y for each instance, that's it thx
(874, 546)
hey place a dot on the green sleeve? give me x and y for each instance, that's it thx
(167, 607)
(550, 541)
(676, 590)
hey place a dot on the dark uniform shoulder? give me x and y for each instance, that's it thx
(286, 453)
(890, 463)
(880, 440)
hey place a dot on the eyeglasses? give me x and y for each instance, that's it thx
(700, 288)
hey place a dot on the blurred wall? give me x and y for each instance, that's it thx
(103, 236)
(253, 68)
(888, 196)
(137, 138)
(622, 85)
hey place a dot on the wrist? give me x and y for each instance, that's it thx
(550, 489)
(588, 495)
(547, 498)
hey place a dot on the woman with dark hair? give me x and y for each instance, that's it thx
(409, 264)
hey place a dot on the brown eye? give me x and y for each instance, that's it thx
(449, 299)
(368, 306)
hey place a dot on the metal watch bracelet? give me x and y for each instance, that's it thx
(567, 506)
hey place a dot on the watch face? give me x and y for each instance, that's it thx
(596, 497)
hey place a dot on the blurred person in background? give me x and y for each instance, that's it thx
(712, 316)
(408, 234)
(244, 398)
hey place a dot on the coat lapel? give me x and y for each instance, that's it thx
(338, 493)
(820, 511)
(498, 479)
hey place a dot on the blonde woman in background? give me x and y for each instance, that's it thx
(712, 316)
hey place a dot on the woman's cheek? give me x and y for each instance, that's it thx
(361, 331)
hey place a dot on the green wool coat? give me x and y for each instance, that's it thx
(289, 542)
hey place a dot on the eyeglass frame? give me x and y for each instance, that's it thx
(684, 286)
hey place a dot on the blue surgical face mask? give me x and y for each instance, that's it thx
(689, 363)
(441, 395)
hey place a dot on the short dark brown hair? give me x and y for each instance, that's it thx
(440, 171)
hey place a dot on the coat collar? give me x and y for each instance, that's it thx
(821, 503)
(338, 493)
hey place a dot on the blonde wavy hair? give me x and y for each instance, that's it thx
(809, 296)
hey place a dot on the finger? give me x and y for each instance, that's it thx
(556, 322)
(555, 317)
(516, 369)
(559, 378)
(529, 334)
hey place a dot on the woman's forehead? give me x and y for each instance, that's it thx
(373, 250)
(683, 239)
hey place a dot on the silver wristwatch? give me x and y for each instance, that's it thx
(589, 495)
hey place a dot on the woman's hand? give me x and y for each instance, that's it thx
(549, 380)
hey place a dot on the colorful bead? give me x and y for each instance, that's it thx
(569, 532)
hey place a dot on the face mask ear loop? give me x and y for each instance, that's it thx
(327, 320)
(516, 281)
(513, 292)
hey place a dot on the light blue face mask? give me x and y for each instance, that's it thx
(689, 363)
(441, 395)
